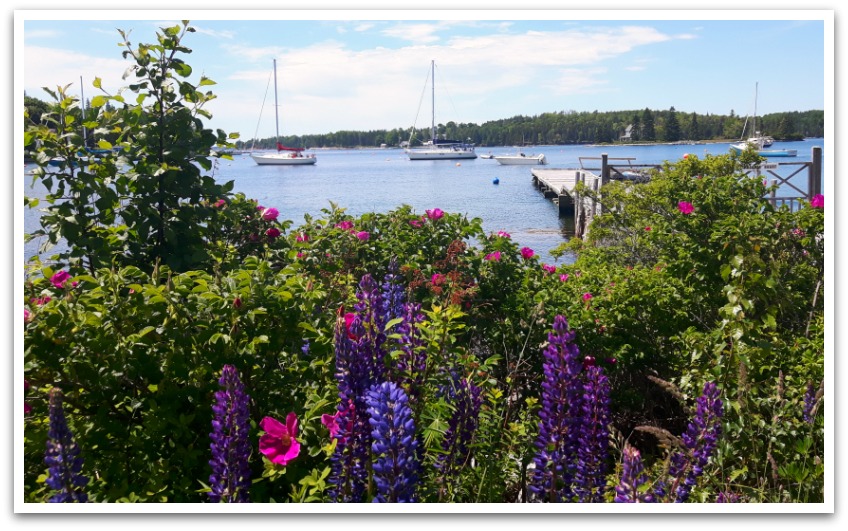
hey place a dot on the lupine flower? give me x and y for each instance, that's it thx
(344, 225)
(270, 214)
(279, 444)
(63, 457)
(632, 477)
(416, 223)
(394, 446)
(460, 433)
(727, 497)
(685, 207)
(273, 233)
(494, 257)
(593, 448)
(302, 237)
(809, 402)
(60, 279)
(435, 214)
(563, 277)
(219, 203)
(504, 234)
(437, 279)
(305, 347)
(230, 478)
(393, 295)
(817, 201)
(527, 253)
(699, 440)
(549, 268)
(363, 235)
(412, 361)
(560, 416)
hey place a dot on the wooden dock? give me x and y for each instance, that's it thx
(559, 184)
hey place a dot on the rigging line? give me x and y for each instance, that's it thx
(256, 133)
(455, 112)
(420, 102)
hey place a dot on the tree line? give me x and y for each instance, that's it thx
(559, 128)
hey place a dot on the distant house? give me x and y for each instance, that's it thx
(628, 134)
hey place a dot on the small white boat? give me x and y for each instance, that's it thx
(521, 159)
(758, 141)
(285, 156)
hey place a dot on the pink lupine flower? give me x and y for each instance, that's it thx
(685, 207)
(60, 278)
(416, 223)
(504, 234)
(817, 201)
(219, 203)
(344, 225)
(563, 277)
(587, 296)
(270, 214)
(435, 214)
(437, 279)
(549, 268)
(363, 235)
(273, 233)
(331, 422)
(494, 257)
(527, 253)
(279, 444)
(302, 237)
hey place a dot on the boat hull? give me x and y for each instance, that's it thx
(282, 159)
(441, 154)
(521, 161)
(739, 148)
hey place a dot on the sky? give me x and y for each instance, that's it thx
(368, 70)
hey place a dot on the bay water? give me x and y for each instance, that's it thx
(379, 180)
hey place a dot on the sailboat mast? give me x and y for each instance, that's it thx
(276, 105)
(756, 90)
(433, 102)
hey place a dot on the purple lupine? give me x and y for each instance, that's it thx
(230, 478)
(461, 428)
(727, 497)
(394, 294)
(699, 442)
(394, 446)
(632, 477)
(370, 340)
(809, 403)
(593, 451)
(63, 458)
(349, 472)
(412, 362)
(560, 414)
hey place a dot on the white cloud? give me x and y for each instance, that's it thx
(214, 33)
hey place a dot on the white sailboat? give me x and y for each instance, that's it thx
(285, 156)
(758, 141)
(436, 148)
(522, 159)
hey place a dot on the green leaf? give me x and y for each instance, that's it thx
(99, 101)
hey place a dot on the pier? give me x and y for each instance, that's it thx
(560, 184)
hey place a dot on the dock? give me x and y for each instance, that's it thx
(559, 185)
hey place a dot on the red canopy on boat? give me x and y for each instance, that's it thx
(281, 147)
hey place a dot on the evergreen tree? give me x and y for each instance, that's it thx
(672, 126)
(648, 133)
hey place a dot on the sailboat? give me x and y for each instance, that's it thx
(758, 141)
(285, 156)
(440, 148)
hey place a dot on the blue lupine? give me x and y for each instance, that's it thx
(394, 293)
(809, 403)
(699, 442)
(372, 336)
(394, 446)
(632, 477)
(461, 428)
(561, 416)
(593, 451)
(62, 457)
(412, 360)
(230, 478)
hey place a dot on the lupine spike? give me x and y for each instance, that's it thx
(593, 450)
(230, 478)
(394, 445)
(63, 457)
(632, 477)
(461, 427)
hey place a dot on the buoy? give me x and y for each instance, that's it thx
(458, 164)
(496, 181)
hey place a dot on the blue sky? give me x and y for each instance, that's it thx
(367, 70)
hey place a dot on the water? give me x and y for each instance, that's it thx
(378, 180)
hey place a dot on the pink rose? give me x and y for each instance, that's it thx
(279, 444)
(273, 233)
(437, 279)
(270, 214)
(587, 296)
(331, 422)
(563, 277)
(504, 234)
(435, 214)
(817, 201)
(302, 237)
(494, 257)
(60, 278)
(415, 223)
(362, 235)
(344, 225)
(549, 268)
(685, 207)
(527, 253)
